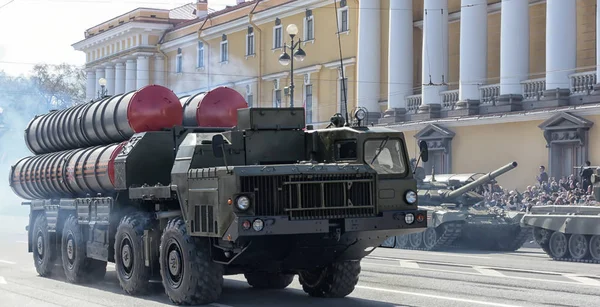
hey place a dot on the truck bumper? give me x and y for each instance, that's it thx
(389, 223)
(284, 245)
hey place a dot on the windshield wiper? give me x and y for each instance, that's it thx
(381, 146)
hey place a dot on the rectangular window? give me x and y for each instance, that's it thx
(309, 28)
(250, 44)
(277, 37)
(200, 55)
(277, 99)
(224, 51)
(343, 19)
(179, 62)
(308, 103)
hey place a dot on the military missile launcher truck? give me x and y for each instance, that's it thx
(455, 221)
(268, 198)
(568, 233)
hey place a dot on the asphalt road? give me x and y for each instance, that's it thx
(390, 277)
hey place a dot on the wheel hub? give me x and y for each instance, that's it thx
(40, 245)
(174, 262)
(126, 255)
(70, 251)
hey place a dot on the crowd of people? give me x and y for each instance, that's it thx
(568, 190)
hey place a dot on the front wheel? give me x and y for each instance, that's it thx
(189, 275)
(334, 281)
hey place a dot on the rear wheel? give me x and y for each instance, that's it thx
(189, 275)
(77, 266)
(264, 280)
(133, 274)
(44, 249)
(334, 281)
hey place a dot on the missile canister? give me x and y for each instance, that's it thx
(110, 120)
(215, 108)
(66, 174)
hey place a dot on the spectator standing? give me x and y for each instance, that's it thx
(543, 176)
(586, 175)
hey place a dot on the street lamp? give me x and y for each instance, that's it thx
(103, 90)
(299, 55)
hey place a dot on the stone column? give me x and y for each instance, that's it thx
(561, 49)
(143, 71)
(400, 60)
(473, 56)
(119, 78)
(368, 59)
(130, 76)
(90, 87)
(159, 70)
(110, 79)
(99, 74)
(434, 57)
(514, 53)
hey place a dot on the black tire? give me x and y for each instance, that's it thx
(133, 274)
(44, 248)
(334, 281)
(264, 280)
(189, 275)
(77, 266)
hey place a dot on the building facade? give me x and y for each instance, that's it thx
(485, 82)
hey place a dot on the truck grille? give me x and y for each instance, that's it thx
(309, 196)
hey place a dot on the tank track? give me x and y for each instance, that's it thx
(451, 232)
(544, 242)
(525, 233)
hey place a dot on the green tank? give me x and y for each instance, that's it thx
(455, 219)
(568, 233)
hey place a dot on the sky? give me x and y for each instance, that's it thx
(42, 31)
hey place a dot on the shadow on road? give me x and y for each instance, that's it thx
(238, 293)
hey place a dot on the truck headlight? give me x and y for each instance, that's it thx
(242, 203)
(258, 225)
(409, 218)
(411, 197)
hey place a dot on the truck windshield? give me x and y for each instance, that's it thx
(386, 156)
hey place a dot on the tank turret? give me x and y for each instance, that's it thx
(454, 191)
(455, 220)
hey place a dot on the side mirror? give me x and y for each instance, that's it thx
(217, 145)
(424, 150)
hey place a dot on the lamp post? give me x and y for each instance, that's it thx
(285, 59)
(103, 89)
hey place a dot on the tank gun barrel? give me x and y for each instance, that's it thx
(482, 180)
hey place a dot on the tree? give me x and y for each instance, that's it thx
(60, 86)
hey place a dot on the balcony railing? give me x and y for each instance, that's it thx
(534, 89)
(582, 82)
(489, 93)
(449, 99)
(413, 102)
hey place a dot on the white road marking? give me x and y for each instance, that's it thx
(488, 272)
(476, 274)
(456, 299)
(584, 280)
(496, 268)
(7, 262)
(409, 264)
(2, 281)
